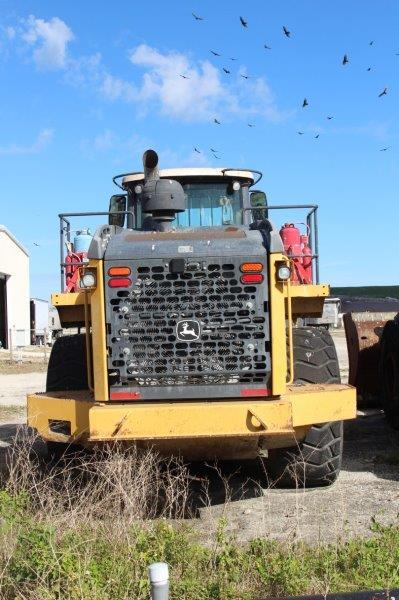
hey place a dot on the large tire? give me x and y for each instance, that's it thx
(67, 368)
(389, 372)
(315, 461)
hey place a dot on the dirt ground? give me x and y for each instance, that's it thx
(367, 487)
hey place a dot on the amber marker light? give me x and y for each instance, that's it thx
(251, 267)
(119, 271)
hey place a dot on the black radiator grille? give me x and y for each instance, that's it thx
(201, 326)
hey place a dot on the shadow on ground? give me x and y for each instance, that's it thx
(371, 447)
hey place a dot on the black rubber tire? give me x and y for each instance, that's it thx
(57, 451)
(67, 367)
(389, 372)
(315, 461)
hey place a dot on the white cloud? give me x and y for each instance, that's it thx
(43, 139)
(196, 98)
(49, 40)
(201, 94)
(114, 88)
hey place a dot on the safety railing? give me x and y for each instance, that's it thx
(310, 223)
(65, 236)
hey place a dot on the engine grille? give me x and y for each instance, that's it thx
(199, 327)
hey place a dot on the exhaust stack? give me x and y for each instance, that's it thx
(161, 198)
(150, 164)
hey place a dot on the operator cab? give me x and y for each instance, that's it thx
(213, 198)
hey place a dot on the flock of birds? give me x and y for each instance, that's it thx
(305, 103)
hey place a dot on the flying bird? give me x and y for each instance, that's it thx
(316, 137)
(267, 47)
(218, 157)
(184, 76)
(213, 150)
(232, 58)
(249, 124)
(196, 150)
(287, 33)
(215, 53)
(38, 245)
(329, 118)
(384, 149)
(368, 69)
(226, 71)
(244, 76)
(371, 43)
(197, 18)
(300, 132)
(345, 60)
(243, 22)
(216, 121)
(305, 103)
(383, 93)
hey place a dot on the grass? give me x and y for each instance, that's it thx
(87, 527)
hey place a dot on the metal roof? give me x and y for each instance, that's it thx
(193, 172)
(4, 229)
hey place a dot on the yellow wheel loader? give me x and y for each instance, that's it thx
(183, 310)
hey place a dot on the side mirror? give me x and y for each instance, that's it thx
(117, 204)
(258, 200)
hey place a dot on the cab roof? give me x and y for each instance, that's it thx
(193, 172)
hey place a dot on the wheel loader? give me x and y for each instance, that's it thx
(182, 315)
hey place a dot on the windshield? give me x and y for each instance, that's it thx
(211, 205)
(208, 204)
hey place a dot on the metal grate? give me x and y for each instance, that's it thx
(201, 326)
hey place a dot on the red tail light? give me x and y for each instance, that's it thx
(119, 282)
(252, 278)
(124, 396)
(248, 393)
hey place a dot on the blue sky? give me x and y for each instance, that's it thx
(86, 87)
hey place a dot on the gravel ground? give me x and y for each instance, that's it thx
(14, 387)
(367, 487)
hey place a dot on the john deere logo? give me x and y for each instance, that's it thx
(188, 330)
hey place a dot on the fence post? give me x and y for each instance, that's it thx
(159, 580)
(45, 345)
(10, 343)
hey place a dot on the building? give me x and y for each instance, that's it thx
(14, 291)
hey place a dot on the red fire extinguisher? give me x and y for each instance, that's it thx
(297, 248)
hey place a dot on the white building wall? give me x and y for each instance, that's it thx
(14, 262)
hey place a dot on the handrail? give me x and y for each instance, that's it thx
(311, 223)
(290, 336)
(65, 233)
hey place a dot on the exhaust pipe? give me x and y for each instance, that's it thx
(161, 198)
(150, 164)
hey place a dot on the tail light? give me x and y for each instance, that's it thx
(254, 267)
(252, 278)
(254, 392)
(119, 271)
(119, 282)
